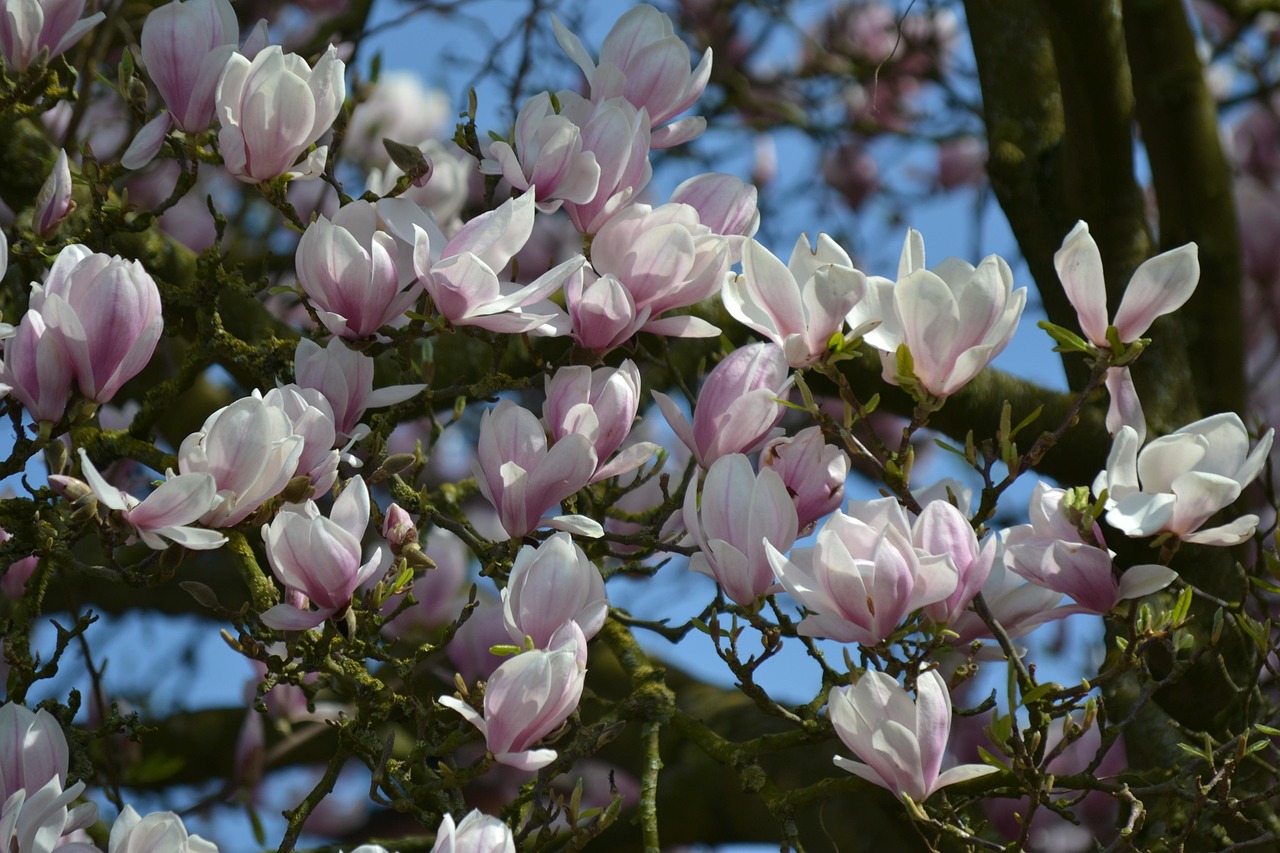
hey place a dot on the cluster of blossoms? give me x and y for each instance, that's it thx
(280, 463)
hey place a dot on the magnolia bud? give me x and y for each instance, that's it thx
(53, 204)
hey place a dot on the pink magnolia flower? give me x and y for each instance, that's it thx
(166, 513)
(618, 135)
(185, 46)
(812, 470)
(545, 157)
(273, 109)
(600, 404)
(351, 271)
(527, 698)
(1018, 605)
(953, 319)
(1159, 286)
(37, 369)
(1179, 481)
(602, 312)
(29, 26)
(645, 62)
(863, 576)
(319, 558)
(158, 832)
(551, 585)
(740, 516)
(105, 312)
(799, 306)
(737, 407)
(345, 378)
(523, 478)
(37, 820)
(13, 581)
(312, 418)
(478, 833)
(33, 750)
(252, 452)
(53, 202)
(901, 742)
(725, 203)
(943, 530)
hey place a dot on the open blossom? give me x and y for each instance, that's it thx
(524, 478)
(812, 470)
(478, 833)
(351, 270)
(312, 418)
(105, 312)
(901, 741)
(864, 575)
(546, 157)
(37, 369)
(551, 585)
(645, 62)
(725, 203)
(600, 404)
(739, 516)
(737, 407)
(1019, 605)
(252, 452)
(33, 775)
(618, 134)
(185, 47)
(345, 378)
(30, 26)
(527, 698)
(1159, 286)
(165, 513)
(953, 319)
(1179, 481)
(158, 832)
(273, 109)
(799, 306)
(320, 558)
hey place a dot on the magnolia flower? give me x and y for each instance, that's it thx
(1180, 480)
(105, 312)
(158, 832)
(600, 404)
(273, 109)
(602, 312)
(37, 369)
(33, 821)
(863, 576)
(812, 470)
(318, 557)
(252, 452)
(29, 26)
(737, 407)
(529, 697)
(478, 833)
(312, 419)
(645, 62)
(740, 517)
(1018, 605)
(523, 478)
(800, 306)
(551, 585)
(618, 134)
(345, 378)
(953, 319)
(185, 46)
(901, 742)
(33, 750)
(725, 203)
(53, 202)
(545, 156)
(165, 513)
(1159, 286)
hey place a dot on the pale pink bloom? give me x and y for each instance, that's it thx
(29, 26)
(602, 311)
(1124, 409)
(37, 369)
(1179, 481)
(901, 741)
(312, 418)
(398, 528)
(165, 513)
(551, 585)
(273, 109)
(953, 319)
(13, 581)
(53, 202)
(725, 203)
(105, 312)
(666, 258)
(600, 404)
(478, 833)
(863, 576)
(618, 135)
(737, 407)
(523, 478)
(645, 62)
(345, 378)
(1160, 285)
(461, 273)
(185, 46)
(545, 157)
(318, 557)
(1018, 605)
(527, 698)
(800, 306)
(158, 832)
(351, 270)
(252, 452)
(943, 530)
(33, 821)
(1051, 552)
(33, 750)
(740, 515)
(812, 470)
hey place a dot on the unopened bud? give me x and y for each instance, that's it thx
(411, 160)
(53, 203)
